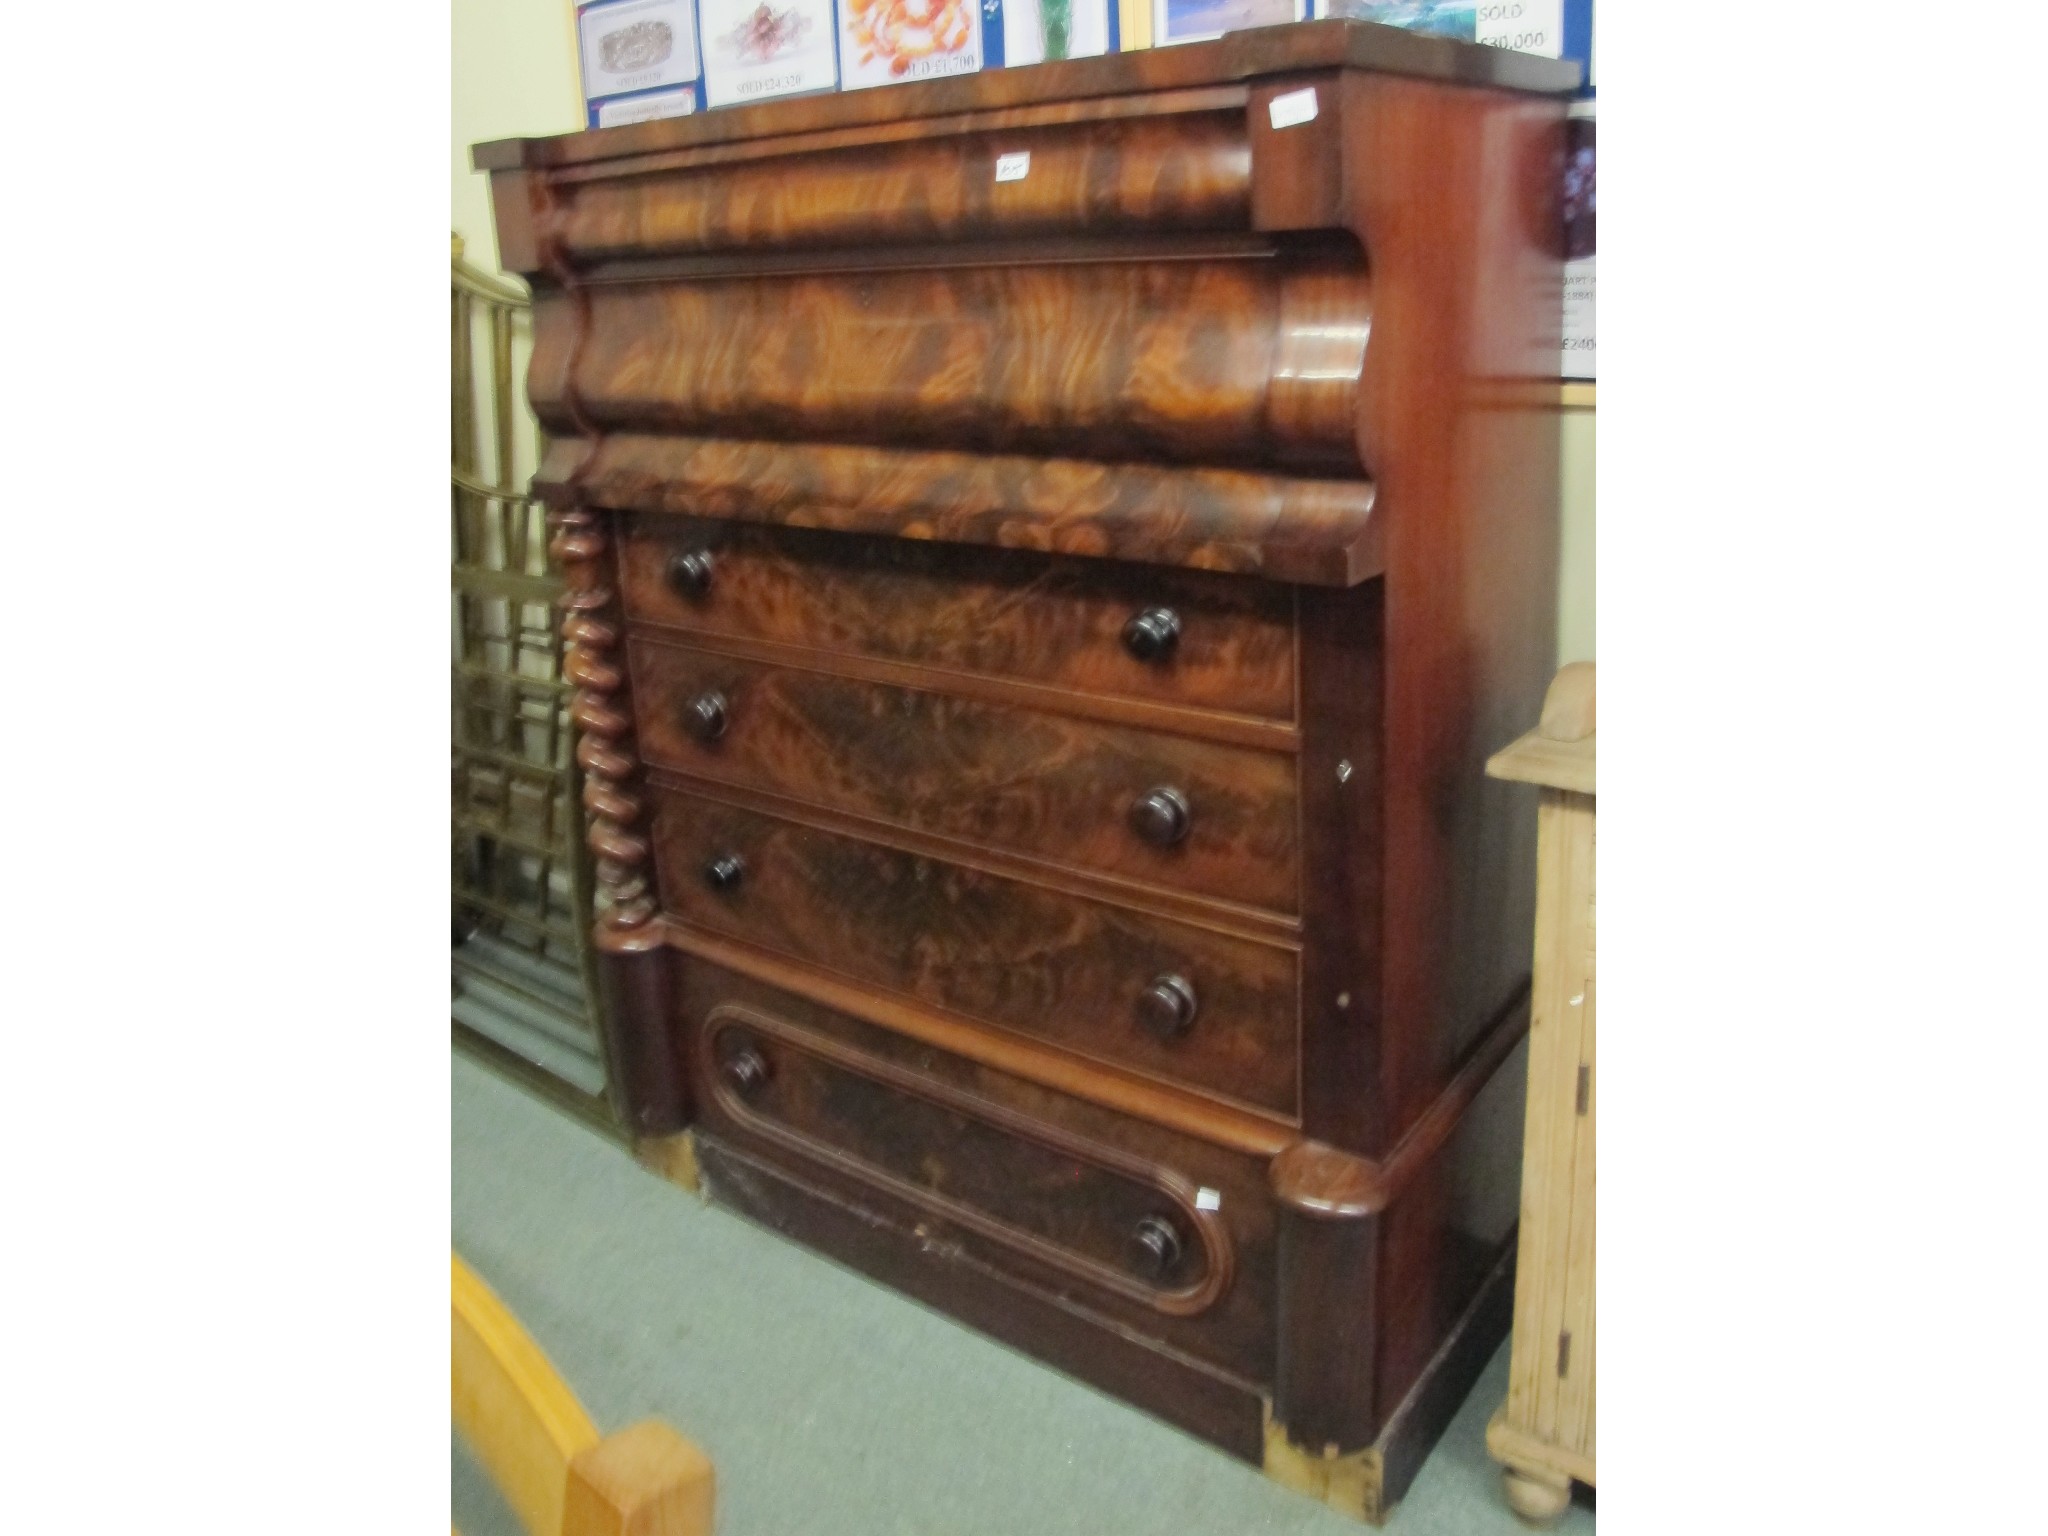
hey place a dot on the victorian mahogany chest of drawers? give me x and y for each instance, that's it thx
(1048, 554)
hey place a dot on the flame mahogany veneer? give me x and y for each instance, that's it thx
(1035, 645)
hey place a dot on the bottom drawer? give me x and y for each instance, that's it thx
(1145, 1228)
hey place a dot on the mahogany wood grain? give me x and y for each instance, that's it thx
(1021, 1183)
(1239, 56)
(601, 708)
(1318, 532)
(1373, 1271)
(643, 1074)
(1342, 797)
(1264, 355)
(1129, 176)
(1236, 1128)
(875, 137)
(1044, 963)
(1327, 1312)
(884, 1241)
(1051, 1186)
(1246, 362)
(1013, 614)
(1448, 190)
(1045, 785)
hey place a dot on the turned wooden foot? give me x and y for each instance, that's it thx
(1536, 1495)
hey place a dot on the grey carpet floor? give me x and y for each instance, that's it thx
(832, 1405)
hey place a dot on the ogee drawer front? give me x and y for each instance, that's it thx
(1162, 1234)
(1119, 177)
(1172, 999)
(1207, 641)
(1073, 791)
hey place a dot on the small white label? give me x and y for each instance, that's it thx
(1208, 1200)
(1013, 167)
(1293, 108)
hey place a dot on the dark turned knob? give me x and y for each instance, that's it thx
(1152, 634)
(704, 716)
(690, 573)
(1155, 1247)
(723, 873)
(1161, 817)
(1167, 1007)
(745, 1071)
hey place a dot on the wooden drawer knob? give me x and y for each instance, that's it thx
(690, 573)
(745, 1071)
(704, 716)
(1161, 816)
(1155, 1247)
(723, 873)
(1167, 1007)
(1152, 635)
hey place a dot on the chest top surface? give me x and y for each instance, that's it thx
(1238, 57)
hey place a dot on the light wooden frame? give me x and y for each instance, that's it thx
(543, 1452)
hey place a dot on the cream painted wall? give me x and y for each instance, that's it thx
(1575, 554)
(515, 73)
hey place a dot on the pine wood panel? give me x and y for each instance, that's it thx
(1544, 1433)
(1550, 1386)
(541, 1449)
(514, 1412)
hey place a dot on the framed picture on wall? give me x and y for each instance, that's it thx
(1194, 21)
(758, 49)
(886, 42)
(1035, 31)
(639, 60)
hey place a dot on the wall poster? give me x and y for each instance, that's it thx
(639, 60)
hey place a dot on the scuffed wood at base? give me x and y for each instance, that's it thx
(1366, 1484)
(673, 1158)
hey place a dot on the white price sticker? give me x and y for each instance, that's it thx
(1293, 108)
(1013, 167)
(1208, 1200)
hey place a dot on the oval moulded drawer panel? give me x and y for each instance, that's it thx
(1036, 618)
(1168, 1236)
(1046, 785)
(1045, 964)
